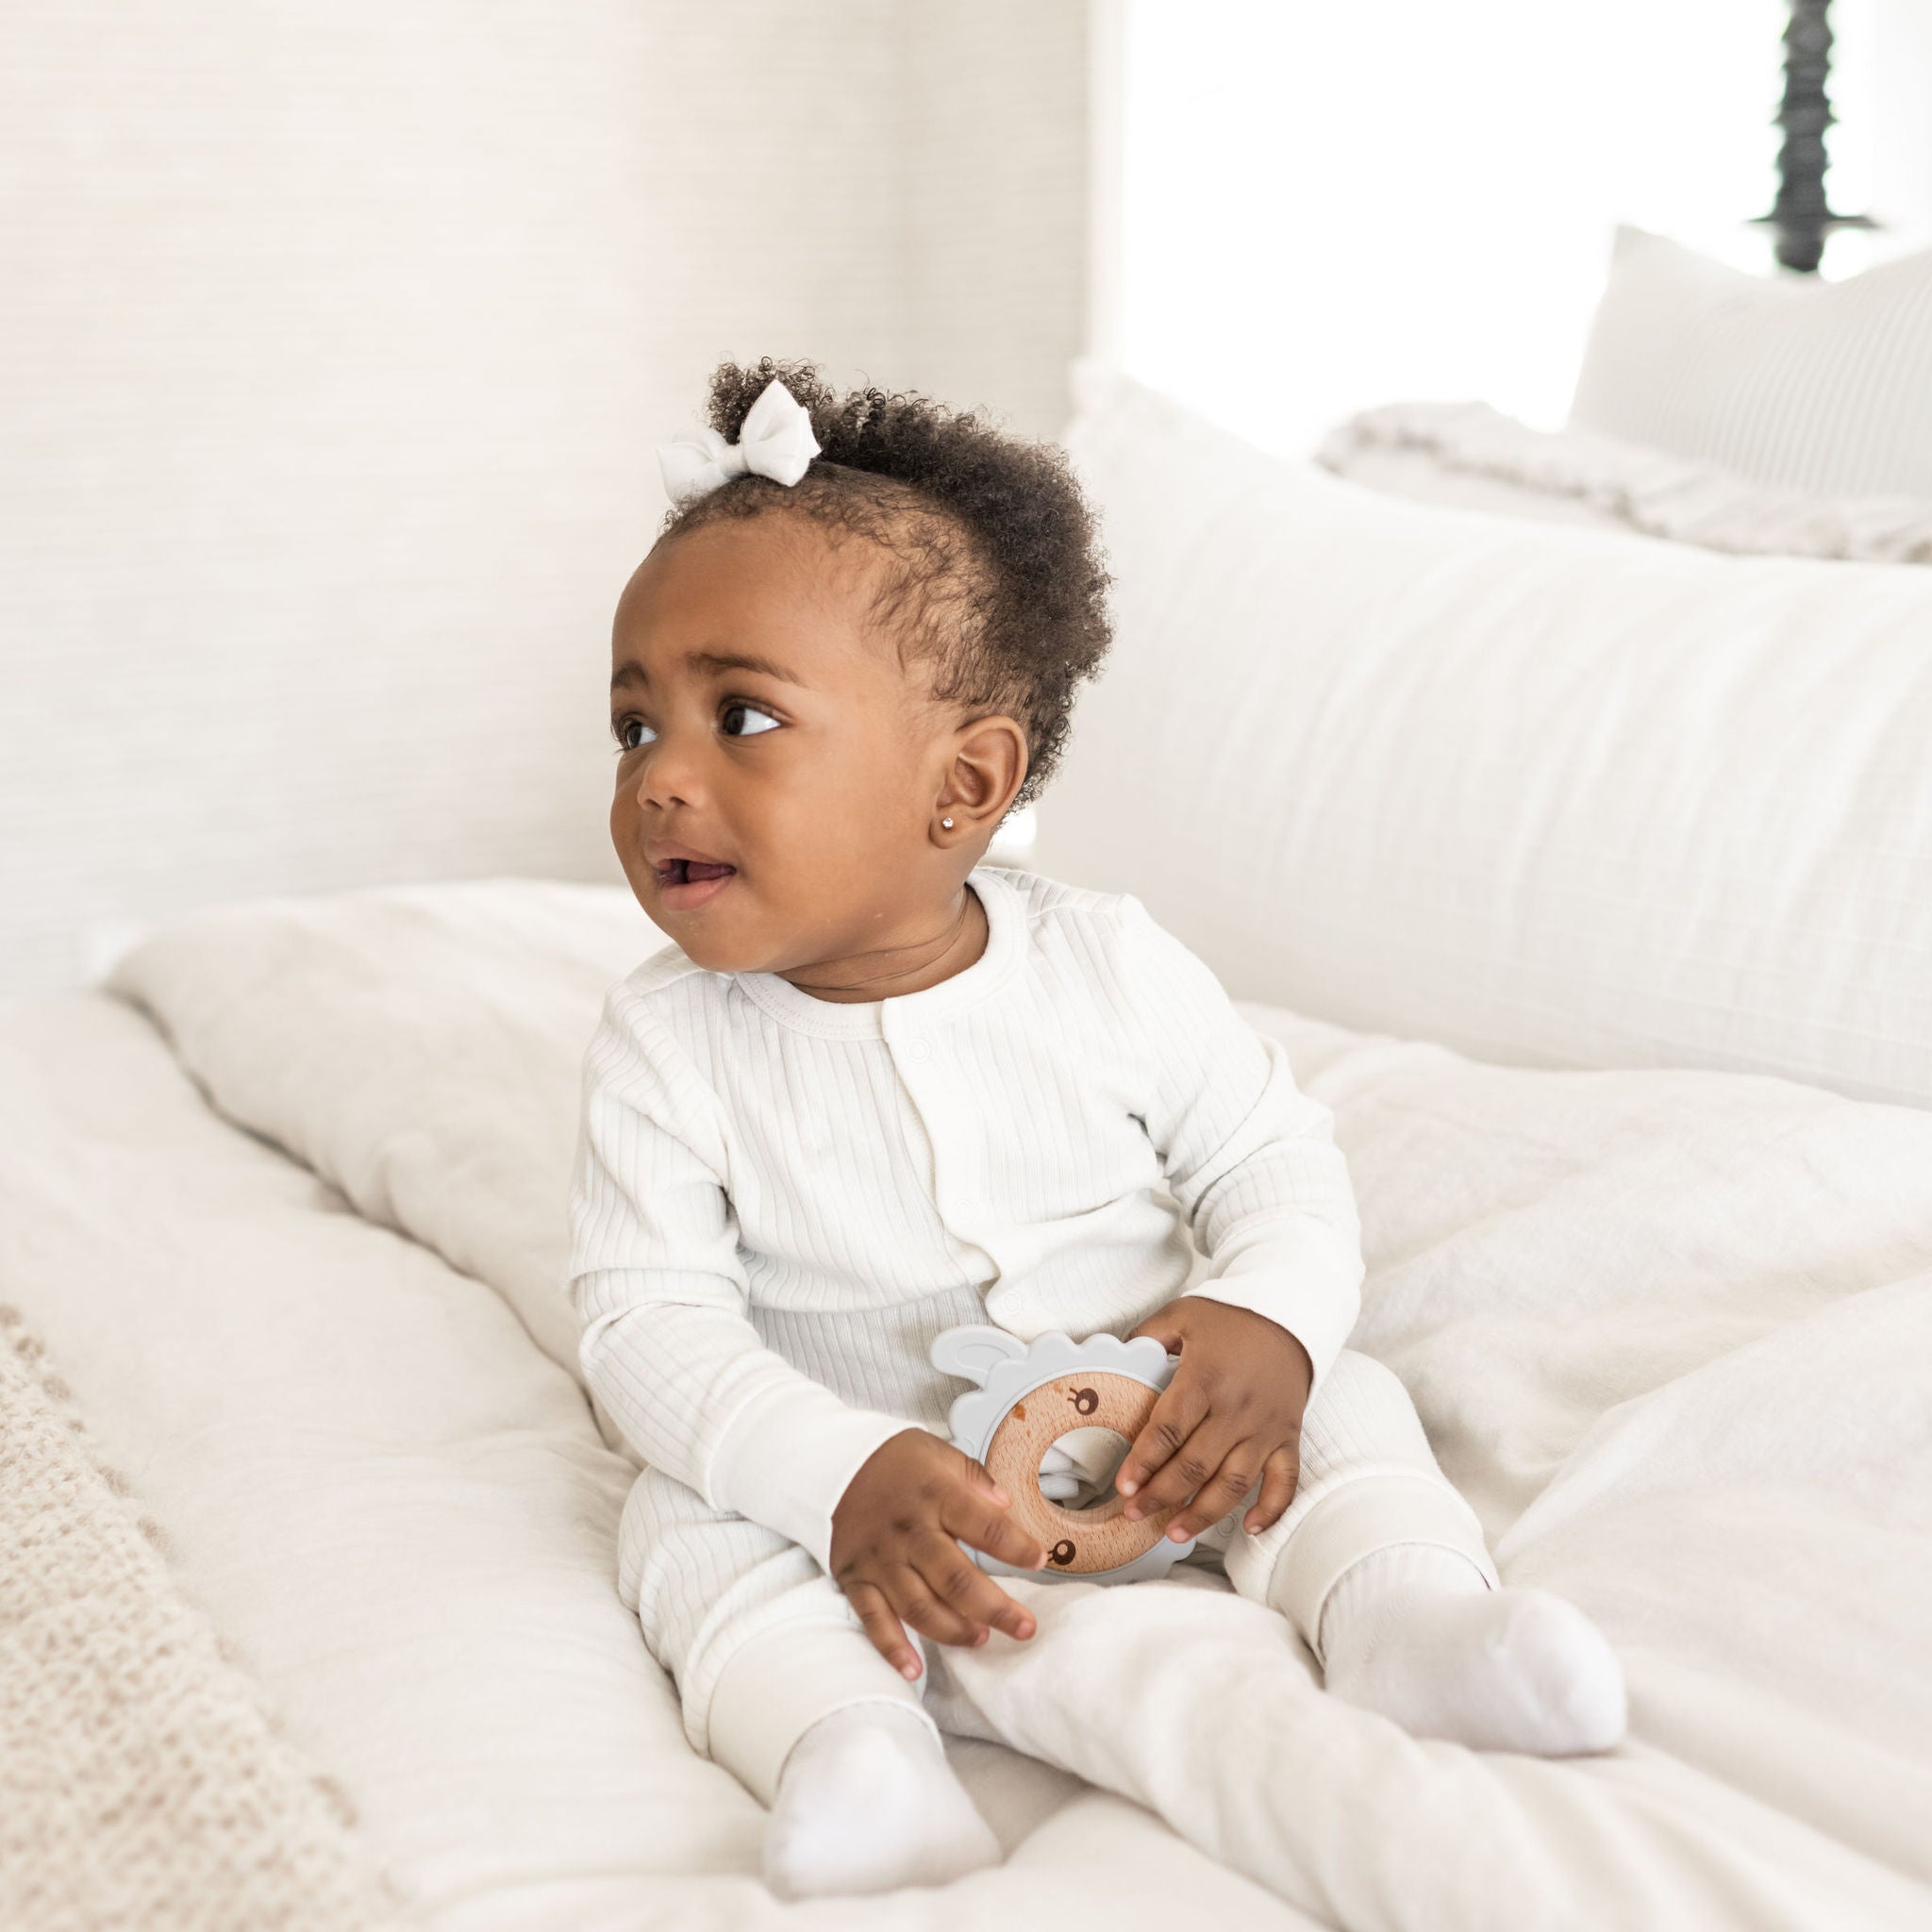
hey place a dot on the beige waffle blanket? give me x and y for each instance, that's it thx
(143, 1785)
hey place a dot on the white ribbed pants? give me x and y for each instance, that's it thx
(762, 1643)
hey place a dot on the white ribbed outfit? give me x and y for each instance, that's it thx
(780, 1200)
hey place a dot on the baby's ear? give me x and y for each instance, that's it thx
(974, 1351)
(990, 763)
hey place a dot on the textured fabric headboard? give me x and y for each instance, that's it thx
(336, 340)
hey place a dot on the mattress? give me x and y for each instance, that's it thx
(287, 1206)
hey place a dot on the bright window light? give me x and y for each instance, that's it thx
(1322, 208)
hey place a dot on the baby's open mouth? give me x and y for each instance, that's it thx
(692, 872)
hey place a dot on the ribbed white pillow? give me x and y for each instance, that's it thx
(1548, 796)
(1825, 386)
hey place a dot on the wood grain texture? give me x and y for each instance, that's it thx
(1080, 1542)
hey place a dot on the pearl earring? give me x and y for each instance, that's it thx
(947, 824)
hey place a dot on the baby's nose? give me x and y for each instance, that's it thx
(668, 775)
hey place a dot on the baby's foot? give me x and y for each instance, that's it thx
(868, 1803)
(1413, 1633)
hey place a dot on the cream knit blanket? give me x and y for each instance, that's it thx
(141, 1783)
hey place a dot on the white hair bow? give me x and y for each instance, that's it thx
(775, 441)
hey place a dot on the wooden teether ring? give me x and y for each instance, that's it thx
(1026, 1396)
(1079, 1541)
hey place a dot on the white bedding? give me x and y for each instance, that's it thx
(1668, 1330)
(1553, 796)
(1474, 456)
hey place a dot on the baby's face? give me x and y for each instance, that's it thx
(777, 767)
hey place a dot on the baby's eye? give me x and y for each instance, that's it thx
(630, 732)
(739, 719)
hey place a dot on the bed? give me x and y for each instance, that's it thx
(1588, 879)
(282, 1218)
(1631, 1305)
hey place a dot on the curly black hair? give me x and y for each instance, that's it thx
(999, 580)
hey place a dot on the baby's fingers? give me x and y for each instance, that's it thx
(997, 1534)
(1189, 1470)
(1173, 1420)
(887, 1633)
(981, 1479)
(1280, 1473)
(968, 1592)
(930, 1613)
(1220, 1495)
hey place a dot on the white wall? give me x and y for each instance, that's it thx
(335, 339)
(1897, 84)
(996, 190)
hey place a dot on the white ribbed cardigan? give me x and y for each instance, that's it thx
(1042, 1129)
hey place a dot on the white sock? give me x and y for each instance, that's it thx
(1413, 1633)
(868, 1803)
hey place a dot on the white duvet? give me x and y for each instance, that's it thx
(1670, 1332)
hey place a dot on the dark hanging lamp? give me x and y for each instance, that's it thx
(1802, 214)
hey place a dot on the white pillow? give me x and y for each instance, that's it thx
(1819, 386)
(1475, 457)
(1546, 794)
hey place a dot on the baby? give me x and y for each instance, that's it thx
(880, 1089)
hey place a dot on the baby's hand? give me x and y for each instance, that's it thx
(895, 1549)
(1232, 1412)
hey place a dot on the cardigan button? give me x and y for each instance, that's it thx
(918, 1050)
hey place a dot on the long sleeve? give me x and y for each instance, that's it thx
(659, 1293)
(1251, 1159)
